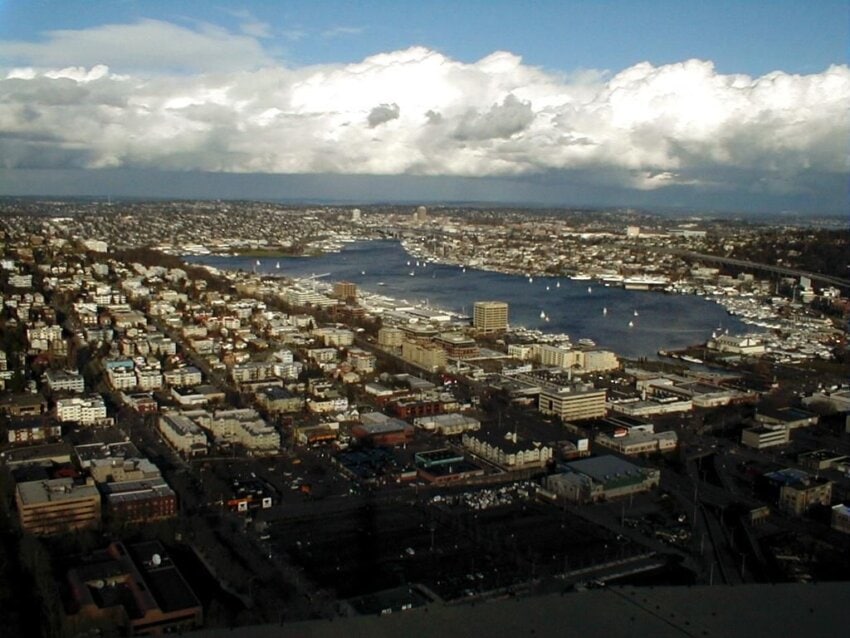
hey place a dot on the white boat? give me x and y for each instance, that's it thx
(258, 262)
(580, 277)
(277, 265)
(589, 289)
(542, 315)
(381, 283)
(412, 273)
(362, 272)
(636, 313)
(631, 324)
(547, 287)
(558, 285)
(605, 311)
(531, 280)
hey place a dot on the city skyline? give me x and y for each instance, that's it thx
(725, 107)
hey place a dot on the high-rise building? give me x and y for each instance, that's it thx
(490, 316)
(421, 214)
(355, 215)
(345, 290)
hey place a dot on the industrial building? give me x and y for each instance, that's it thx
(445, 466)
(379, 429)
(601, 478)
(136, 588)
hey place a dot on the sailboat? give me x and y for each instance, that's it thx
(558, 285)
(636, 313)
(277, 265)
(547, 287)
(542, 315)
(589, 289)
(604, 311)
(631, 324)
(531, 280)
(258, 262)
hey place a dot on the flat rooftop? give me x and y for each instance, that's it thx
(744, 611)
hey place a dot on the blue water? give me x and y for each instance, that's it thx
(576, 307)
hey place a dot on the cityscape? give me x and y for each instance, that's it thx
(532, 402)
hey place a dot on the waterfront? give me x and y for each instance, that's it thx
(581, 309)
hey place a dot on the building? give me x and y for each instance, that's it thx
(345, 290)
(738, 344)
(798, 491)
(448, 424)
(820, 460)
(362, 361)
(64, 381)
(183, 434)
(183, 377)
(24, 404)
(276, 399)
(57, 505)
(636, 443)
(444, 466)
(242, 427)
(572, 403)
(490, 316)
(390, 337)
(141, 402)
(379, 429)
(121, 374)
(33, 429)
(509, 451)
(85, 411)
(457, 346)
(765, 436)
(601, 478)
(139, 501)
(429, 356)
(137, 589)
(840, 518)
(790, 418)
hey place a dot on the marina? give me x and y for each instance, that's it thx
(380, 270)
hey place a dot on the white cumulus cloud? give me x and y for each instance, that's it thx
(413, 111)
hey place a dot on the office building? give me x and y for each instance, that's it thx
(490, 316)
(345, 290)
(573, 403)
(57, 505)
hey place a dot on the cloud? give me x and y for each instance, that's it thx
(144, 45)
(501, 120)
(337, 32)
(645, 127)
(383, 113)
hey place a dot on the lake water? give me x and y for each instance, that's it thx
(581, 309)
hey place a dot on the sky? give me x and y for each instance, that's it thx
(737, 106)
